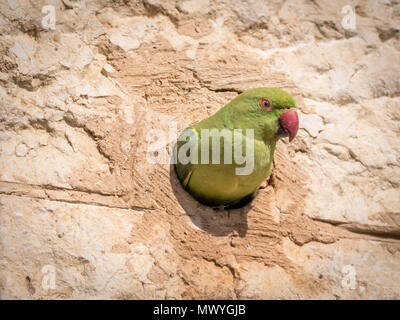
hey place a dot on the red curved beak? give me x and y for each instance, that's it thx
(289, 120)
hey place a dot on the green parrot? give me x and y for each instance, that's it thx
(222, 160)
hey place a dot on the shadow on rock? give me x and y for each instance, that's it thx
(215, 221)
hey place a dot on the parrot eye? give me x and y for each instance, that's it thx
(265, 104)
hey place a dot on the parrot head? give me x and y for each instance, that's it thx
(269, 111)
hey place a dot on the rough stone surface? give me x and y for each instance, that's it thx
(79, 197)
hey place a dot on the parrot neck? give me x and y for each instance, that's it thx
(271, 144)
(226, 119)
(237, 120)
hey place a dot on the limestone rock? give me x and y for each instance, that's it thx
(84, 214)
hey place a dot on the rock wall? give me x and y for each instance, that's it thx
(84, 214)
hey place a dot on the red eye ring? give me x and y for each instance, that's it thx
(266, 104)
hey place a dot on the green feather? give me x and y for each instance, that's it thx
(218, 184)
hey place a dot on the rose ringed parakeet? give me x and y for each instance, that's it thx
(222, 160)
